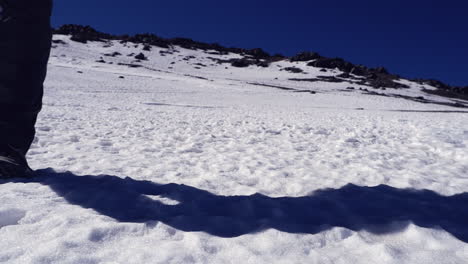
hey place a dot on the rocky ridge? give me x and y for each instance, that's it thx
(378, 78)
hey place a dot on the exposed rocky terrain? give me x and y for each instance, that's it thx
(370, 80)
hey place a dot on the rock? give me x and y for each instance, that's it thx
(257, 53)
(376, 77)
(461, 93)
(79, 38)
(82, 34)
(305, 56)
(344, 75)
(335, 63)
(113, 54)
(332, 79)
(141, 56)
(279, 55)
(264, 64)
(434, 83)
(244, 62)
(130, 65)
(293, 69)
(241, 63)
(360, 70)
(383, 81)
(381, 70)
(147, 39)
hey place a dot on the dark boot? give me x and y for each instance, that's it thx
(13, 164)
(25, 40)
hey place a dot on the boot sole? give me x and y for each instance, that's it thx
(10, 171)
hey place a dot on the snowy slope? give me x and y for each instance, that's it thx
(168, 163)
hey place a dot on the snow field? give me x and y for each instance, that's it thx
(219, 169)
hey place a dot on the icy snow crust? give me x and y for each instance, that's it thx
(188, 165)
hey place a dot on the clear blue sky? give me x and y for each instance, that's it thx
(413, 38)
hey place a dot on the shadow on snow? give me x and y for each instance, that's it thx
(381, 209)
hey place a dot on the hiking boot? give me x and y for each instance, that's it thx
(13, 164)
(4, 12)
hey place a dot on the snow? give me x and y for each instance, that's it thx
(163, 166)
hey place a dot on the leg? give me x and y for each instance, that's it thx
(24, 51)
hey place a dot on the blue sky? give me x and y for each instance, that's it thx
(413, 38)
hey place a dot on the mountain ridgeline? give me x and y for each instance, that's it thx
(374, 77)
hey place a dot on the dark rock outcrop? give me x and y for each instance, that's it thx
(444, 89)
(146, 39)
(82, 34)
(257, 53)
(245, 62)
(293, 69)
(374, 77)
(383, 81)
(113, 54)
(240, 63)
(141, 56)
(319, 79)
(332, 63)
(306, 56)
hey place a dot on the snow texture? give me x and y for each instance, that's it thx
(167, 163)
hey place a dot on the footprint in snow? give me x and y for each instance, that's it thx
(11, 217)
(353, 141)
(44, 128)
(105, 143)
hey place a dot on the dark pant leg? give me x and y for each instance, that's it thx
(25, 42)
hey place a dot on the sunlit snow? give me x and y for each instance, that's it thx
(168, 163)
